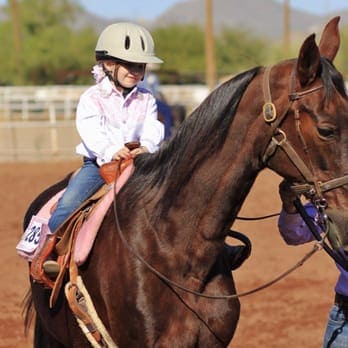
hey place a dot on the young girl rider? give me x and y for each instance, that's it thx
(111, 113)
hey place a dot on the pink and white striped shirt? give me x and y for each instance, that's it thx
(106, 120)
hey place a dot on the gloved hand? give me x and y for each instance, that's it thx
(287, 196)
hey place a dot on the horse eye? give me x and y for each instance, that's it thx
(326, 132)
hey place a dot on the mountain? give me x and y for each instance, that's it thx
(261, 18)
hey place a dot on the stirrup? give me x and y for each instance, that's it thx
(51, 268)
(36, 267)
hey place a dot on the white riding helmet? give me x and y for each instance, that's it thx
(126, 41)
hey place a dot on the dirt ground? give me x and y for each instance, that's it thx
(290, 313)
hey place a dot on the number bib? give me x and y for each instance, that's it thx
(33, 236)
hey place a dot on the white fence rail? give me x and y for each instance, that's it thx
(37, 122)
(33, 102)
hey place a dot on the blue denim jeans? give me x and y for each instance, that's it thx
(336, 335)
(83, 185)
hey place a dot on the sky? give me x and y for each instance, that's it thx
(150, 9)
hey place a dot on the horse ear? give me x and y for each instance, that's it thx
(308, 61)
(330, 39)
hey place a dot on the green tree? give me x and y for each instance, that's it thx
(49, 46)
(8, 66)
(238, 51)
(341, 61)
(182, 49)
(54, 50)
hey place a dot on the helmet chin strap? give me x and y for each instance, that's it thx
(111, 75)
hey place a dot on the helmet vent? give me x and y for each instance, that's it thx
(127, 42)
(142, 43)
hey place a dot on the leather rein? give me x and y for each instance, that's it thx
(270, 117)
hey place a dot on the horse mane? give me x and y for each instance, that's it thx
(332, 79)
(200, 136)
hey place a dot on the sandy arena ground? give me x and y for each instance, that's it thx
(291, 313)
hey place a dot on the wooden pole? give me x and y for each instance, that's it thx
(210, 65)
(286, 30)
(16, 27)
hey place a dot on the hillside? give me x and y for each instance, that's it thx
(262, 18)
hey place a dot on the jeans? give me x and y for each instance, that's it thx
(83, 185)
(336, 335)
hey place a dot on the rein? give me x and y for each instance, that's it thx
(340, 259)
(172, 284)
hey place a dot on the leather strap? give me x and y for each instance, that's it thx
(72, 237)
(324, 187)
(36, 267)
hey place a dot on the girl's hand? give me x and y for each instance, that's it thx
(123, 153)
(139, 150)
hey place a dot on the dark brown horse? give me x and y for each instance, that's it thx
(176, 209)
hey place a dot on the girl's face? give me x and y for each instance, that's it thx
(128, 74)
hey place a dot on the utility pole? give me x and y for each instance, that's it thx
(286, 29)
(16, 27)
(210, 66)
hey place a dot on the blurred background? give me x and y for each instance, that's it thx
(47, 52)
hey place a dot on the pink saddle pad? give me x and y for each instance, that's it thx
(89, 229)
(86, 235)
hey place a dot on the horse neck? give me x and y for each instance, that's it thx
(194, 203)
(194, 228)
(216, 191)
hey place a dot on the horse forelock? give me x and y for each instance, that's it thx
(198, 138)
(332, 79)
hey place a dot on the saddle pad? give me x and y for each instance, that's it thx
(89, 229)
(35, 234)
(86, 236)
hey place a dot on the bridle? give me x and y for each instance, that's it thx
(312, 188)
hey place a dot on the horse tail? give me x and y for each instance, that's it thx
(29, 309)
(30, 317)
(39, 336)
(29, 312)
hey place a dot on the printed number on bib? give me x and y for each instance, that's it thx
(31, 237)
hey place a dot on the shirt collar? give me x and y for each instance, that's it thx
(107, 88)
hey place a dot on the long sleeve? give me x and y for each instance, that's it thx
(293, 229)
(152, 130)
(106, 121)
(93, 129)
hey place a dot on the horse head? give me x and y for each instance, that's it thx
(312, 131)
